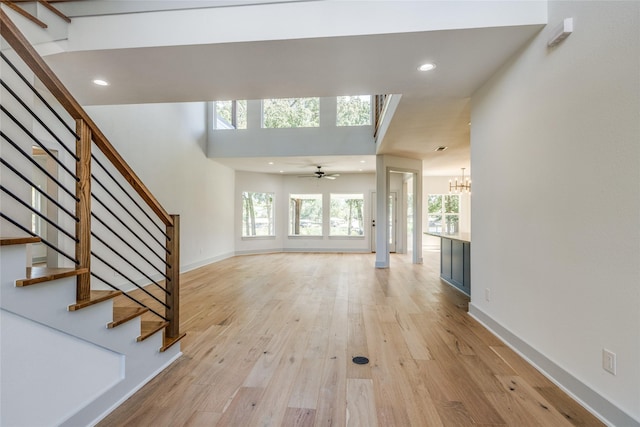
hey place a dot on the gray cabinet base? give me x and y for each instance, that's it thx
(455, 263)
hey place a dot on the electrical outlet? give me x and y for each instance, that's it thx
(487, 294)
(609, 361)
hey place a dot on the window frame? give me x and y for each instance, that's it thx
(234, 115)
(331, 216)
(369, 123)
(291, 225)
(264, 107)
(444, 215)
(271, 222)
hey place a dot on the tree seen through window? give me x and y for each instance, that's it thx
(257, 214)
(305, 215)
(354, 110)
(443, 213)
(291, 112)
(346, 215)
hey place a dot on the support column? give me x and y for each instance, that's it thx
(173, 273)
(382, 213)
(83, 209)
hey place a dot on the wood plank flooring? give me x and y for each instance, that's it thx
(270, 340)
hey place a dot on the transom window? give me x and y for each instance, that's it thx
(257, 214)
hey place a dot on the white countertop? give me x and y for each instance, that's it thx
(463, 237)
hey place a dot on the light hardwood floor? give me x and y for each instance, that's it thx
(270, 340)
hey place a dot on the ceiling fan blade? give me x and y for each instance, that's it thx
(329, 176)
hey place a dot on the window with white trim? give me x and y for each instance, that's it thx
(305, 215)
(257, 214)
(443, 213)
(291, 113)
(230, 114)
(346, 217)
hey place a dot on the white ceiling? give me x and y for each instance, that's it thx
(434, 109)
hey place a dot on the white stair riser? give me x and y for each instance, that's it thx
(46, 303)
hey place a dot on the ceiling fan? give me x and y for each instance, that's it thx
(320, 174)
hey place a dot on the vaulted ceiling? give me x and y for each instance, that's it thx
(434, 109)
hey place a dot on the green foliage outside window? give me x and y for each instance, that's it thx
(435, 203)
(451, 204)
(305, 215)
(354, 110)
(257, 214)
(346, 215)
(225, 117)
(291, 112)
(443, 213)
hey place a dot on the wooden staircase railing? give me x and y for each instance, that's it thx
(12, 5)
(87, 132)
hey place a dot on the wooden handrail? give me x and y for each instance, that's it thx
(49, 6)
(23, 48)
(11, 5)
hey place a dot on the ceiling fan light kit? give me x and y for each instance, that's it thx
(320, 174)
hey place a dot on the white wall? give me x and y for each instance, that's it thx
(555, 154)
(282, 186)
(165, 144)
(34, 368)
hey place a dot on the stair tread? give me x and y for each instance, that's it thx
(168, 342)
(124, 314)
(150, 327)
(6, 241)
(94, 298)
(46, 274)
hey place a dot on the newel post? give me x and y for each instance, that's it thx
(83, 209)
(172, 312)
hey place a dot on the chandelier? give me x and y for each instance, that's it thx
(463, 185)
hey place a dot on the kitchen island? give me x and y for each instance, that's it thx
(455, 259)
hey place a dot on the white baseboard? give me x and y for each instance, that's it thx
(302, 250)
(599, 406)
(206, 261)
(327, 250)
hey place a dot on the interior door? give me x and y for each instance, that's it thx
(392, 215)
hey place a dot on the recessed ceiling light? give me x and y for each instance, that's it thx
(281, 171)
(270, 163)
(427, 67)
(101, 82)
(362, 161)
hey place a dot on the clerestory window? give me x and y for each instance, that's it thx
(354, 110)
(230, 114)
(291, 113)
